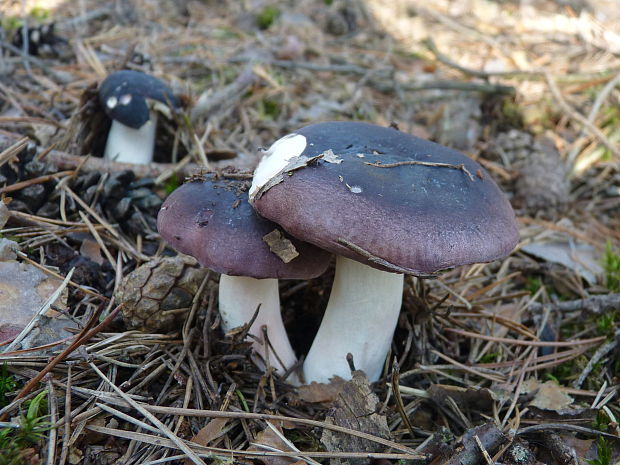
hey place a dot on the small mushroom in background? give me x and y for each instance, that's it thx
(132, 100)
(388, 204)
(210, 219)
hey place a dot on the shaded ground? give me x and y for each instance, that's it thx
(524, 349)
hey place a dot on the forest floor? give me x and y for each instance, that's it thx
(513, 362)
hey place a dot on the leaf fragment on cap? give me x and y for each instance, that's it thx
(280, 245)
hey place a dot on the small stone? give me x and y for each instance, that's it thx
(23, 291)
(8, 249)
(4, 214)
(543, 184)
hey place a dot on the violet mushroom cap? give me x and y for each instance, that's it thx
(131, 98)
(210, 219)
(383, 200)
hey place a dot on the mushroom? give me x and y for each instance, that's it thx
(132, 100)
(387, 204)
(210, 219)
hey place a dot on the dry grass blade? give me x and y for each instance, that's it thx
(213, 452)
(13, 150)
(152, 418)
(41, 179)
(591, 341)
(268, 417)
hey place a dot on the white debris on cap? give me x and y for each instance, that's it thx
(275, 159)
(111, 102)
(125, 99)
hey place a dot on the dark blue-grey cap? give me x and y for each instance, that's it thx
(124, 95)
(385, 198)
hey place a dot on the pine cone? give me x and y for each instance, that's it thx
(159, 285)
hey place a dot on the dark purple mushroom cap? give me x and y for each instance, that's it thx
(404, 215)
(210, 219)
(124, 95)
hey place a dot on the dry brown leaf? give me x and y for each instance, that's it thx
(321, 392)
(281, 246)
(479, 399)
(508, 312)
(268, 437)
(551, 397)
(90, 249)
(208, 433)
(584, 448)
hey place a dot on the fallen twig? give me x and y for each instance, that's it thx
(209, 452)
(521, 342)
(35, 61)
(460, 167)
(66, 161)
(596, 358)
(41, 179)
(475, 445)
(563, 427)
(594, 305)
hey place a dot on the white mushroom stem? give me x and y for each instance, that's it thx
(239, 297)
(129, 145)
(360, 319)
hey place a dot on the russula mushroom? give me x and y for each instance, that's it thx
(132, 100)
(387, 204)
(210, 219)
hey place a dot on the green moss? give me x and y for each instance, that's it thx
(611, 265)
(601, 421)
(171, 184)
(490, 357)
(266, 18)
(269, 109)
(40, 14)
(31, 430)
(10, 24)
(605, 324)
(7, 384)
(603, 449)
(533, 284)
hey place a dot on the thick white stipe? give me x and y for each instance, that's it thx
(360, 318)
(129, 145)
(239, 296)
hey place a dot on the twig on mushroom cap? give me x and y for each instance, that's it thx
(415, 222)
(460, 166)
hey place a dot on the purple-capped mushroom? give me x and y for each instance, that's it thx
(210, 219)
(387, 204)
(132, 100)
